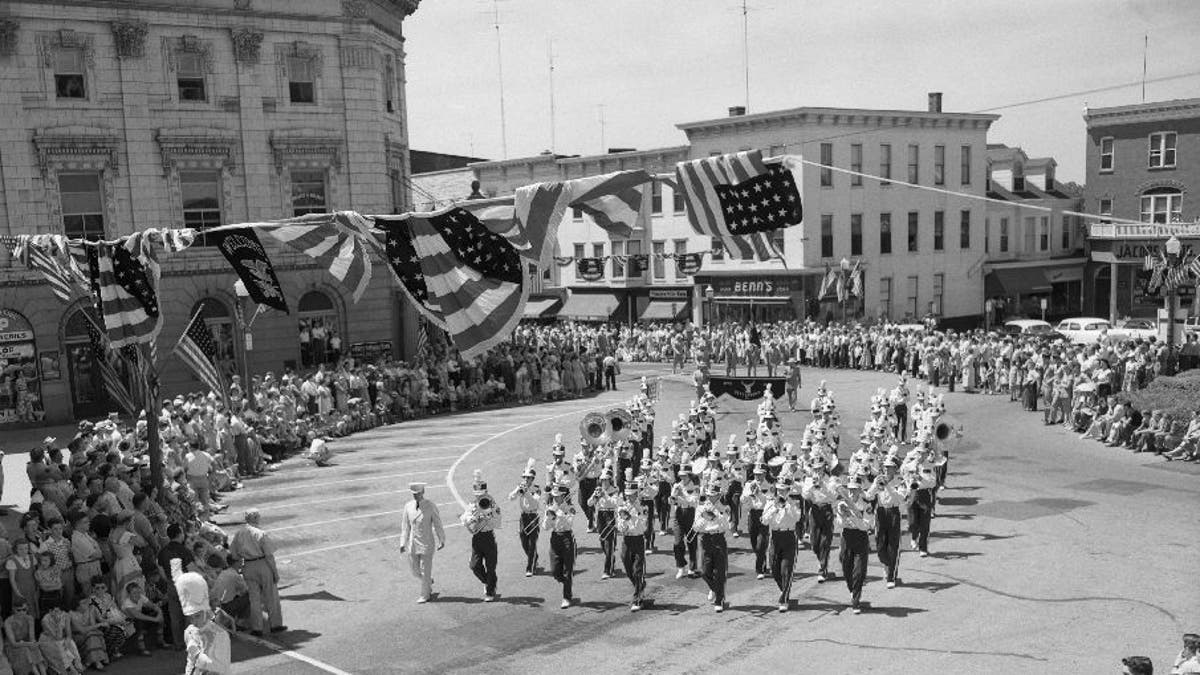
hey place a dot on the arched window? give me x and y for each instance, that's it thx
(320, 339)
(1162, 205)
(216, 316)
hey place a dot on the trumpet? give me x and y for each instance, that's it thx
(624, 513)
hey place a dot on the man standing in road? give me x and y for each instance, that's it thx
(419, 525)
(793, 383)
(255, 549)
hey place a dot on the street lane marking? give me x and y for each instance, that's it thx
(321, 665)
(272, 507)
(308, 486)
(363, 542)
(284, 473)
(339, 520)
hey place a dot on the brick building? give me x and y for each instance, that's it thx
(125, 115)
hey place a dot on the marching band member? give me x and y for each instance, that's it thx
(558, 520)
(588, 465)
(922, 481)
(482, 520)
(647, 491)
(664, 478)
(780, 517)
(735, 472)
(820, 491)
(898, 398)
(755, 496)
(559, 470)
(711, 523)
(685, 497)
(890, 494)
(631, 526)
(851, 516)
(605, 501)
(530, 496)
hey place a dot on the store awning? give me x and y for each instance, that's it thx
(1016, 282)
(589, 306)
(663, 310)
(539, 308)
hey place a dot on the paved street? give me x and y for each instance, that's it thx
(1049, 554)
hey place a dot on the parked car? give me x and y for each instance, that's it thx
(1134, 329)
(1083, 330)
(1036, 328)
(1192, 325)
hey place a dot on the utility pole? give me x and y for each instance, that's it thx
(746, 50)
(550, 50)
(600, 110)
(1145, 50)
(500, 72)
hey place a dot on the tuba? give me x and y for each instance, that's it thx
(620, 424)
(592, 428)
(947, 432)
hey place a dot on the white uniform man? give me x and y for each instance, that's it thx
(420, 527)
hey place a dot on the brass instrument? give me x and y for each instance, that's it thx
(484, 503)
(947, 433)
(592, 428)
(620, 424)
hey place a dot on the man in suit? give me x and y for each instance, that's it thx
(420, 526)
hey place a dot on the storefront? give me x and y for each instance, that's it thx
(755, 297)
(1021, 287)
(662, 304)
(1116, 278)
(20, 375)
(599, 304)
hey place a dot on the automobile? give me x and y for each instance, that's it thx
(1035, 328)
(1083, 330)
(1192, 325)
(1133, 329)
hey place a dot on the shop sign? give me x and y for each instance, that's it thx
(670, 293)
(757, 287)
(20, 381)
(1137, 250)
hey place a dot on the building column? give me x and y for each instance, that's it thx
(1113, 270)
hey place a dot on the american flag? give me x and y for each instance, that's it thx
(197, 349)
(422, 338)
(739, 199)
(106, 362)
(340, 240)
(614, 201)
(37, 253)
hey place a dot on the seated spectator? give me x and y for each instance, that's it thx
(145, 616)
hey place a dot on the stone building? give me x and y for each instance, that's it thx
(124, 115)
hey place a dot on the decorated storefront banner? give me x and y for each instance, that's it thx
(589, 269)
(745, 388)
(249, 260)
(20, 380)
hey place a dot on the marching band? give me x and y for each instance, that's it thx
(788, 495)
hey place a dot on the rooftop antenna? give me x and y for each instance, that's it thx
(746, 49)
(500, 73)
(1145, 49)
(550, 50)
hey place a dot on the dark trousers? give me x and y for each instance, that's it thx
(529, 539)
(733, 499)
(648, 509)
(920, 514)
(662, 505)
(901, 412)
(483, 559)
(887, 539)
(783, 561)
(820, 533)
(606, 523)
(685, 545)
(633, 558)
(716, 565)
(562, 560)
(587, 486)
(759, 538)
(610, 379)
(856, 549)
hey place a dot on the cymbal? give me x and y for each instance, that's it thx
(777, 460)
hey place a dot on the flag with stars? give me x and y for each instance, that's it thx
(739, 199)
(463, 274)
(106, 362)
(124, 291)
(197, 349)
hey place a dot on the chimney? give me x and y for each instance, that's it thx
(737, 110)
(935, 101)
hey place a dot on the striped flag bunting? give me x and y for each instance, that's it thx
(739, 199)
(339, 240)
(198, 351)
(856, 280)
(38, 253)
(106, 362)
(422, 339)
(614, 201)
(826, 282)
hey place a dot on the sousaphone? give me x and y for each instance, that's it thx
(592, 428)
(620, 424)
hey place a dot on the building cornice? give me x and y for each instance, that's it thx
(838, 117)
(1158, 111)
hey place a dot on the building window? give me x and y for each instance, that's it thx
(68, 74)
(634, 247)
(1105, 209)
(389, 86)
(318, 326)
(598, 252)
(1162, 205)
(1044, 234)
(1018, 181)
(856, 164)
(201, 201)
(655, 197)
(939, 285)
(1067, 222)
(1162, 150)
(914, 163)
(826, 235)
(939, 230)
(578, 251)
(777, 151)
(826, 160)
(964, 229)
(914, 227)
(189, 75)
(1106, 154)
(658, 263)
(618, 265)
(678, 199)
(308, 192)
(885, 297)
(680, 249)
(1029, 234)
(885, 163)
(1004, 235)
(301, 80)
(576, 213)
(939, 165)
(82, 205)
(911, 306)
(717, 249)
(885, 233)
(217, 319)
(855, 234)
(965, 167)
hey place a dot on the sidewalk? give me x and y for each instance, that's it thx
(16, 445)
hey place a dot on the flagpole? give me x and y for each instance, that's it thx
(152, 404)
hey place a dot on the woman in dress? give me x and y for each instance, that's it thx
(21, 567)
(87, 629)
(126, 568)
(19, 633)
(56, 645)
(114, 625)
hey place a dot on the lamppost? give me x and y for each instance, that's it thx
(845, 265)
(1174, 249)
(708, 297)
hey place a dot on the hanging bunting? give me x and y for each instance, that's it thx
(638, 264)
(339, 240)
(250, 262)
(564, 260)
(689, 263)
(589, 269)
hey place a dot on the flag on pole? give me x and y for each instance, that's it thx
(736, 198)
(422, 339)
(826, 281)
(340, 240)
(197, 349)
(106, 362)
(856, 280)
(840, 282)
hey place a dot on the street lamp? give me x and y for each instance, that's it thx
(845, 265)
(709, 293)
(1174, 249)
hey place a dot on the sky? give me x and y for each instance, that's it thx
(627, 71)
